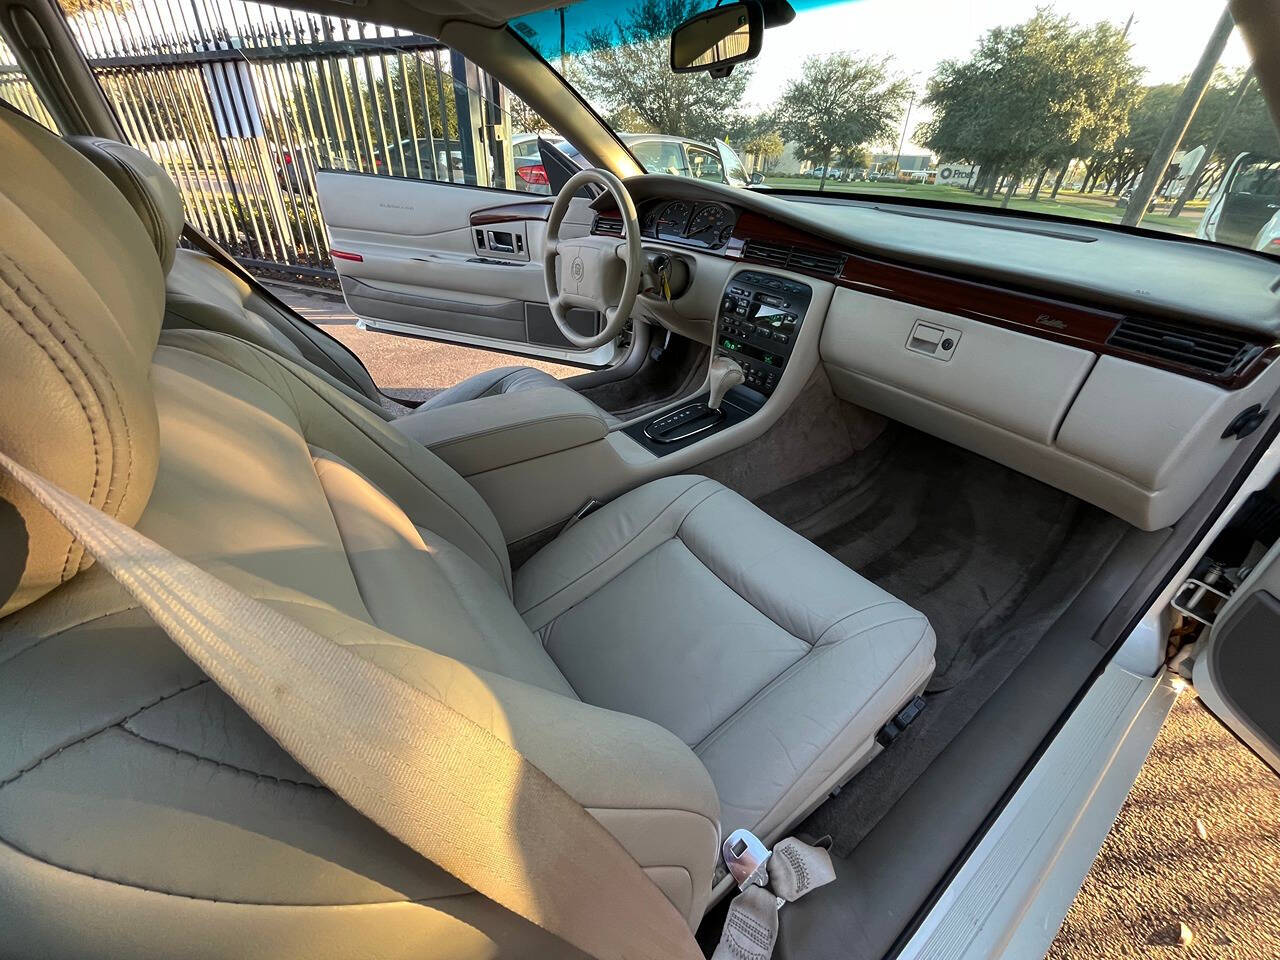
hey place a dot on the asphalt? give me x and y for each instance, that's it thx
(1191, 867)
(404, 366)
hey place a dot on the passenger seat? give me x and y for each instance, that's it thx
(203, 294)
(679, 662)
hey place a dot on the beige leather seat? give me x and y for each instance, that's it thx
(679, 662)
(204, 295)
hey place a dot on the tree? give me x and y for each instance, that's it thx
(839, 102)
(766, 147)
(1029, 97)
(73, 8)
(855, 156)
(1110, 82)
(525, 119)
(626, 66)
(1250, 129)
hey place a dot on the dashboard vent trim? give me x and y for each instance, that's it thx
(787, 256)
(1219, 354)
(610, 226)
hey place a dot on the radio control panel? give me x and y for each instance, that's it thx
(760, 317)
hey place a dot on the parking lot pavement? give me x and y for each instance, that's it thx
(404, 366)
(1192, 866)
(1194, 855)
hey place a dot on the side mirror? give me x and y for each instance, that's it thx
(757, 177)
(717, 39)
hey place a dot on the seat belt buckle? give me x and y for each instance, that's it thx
(745, 856)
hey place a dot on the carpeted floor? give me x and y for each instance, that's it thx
(992, 557)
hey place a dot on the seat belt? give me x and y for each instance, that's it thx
(423, 772)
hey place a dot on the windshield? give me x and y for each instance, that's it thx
(1076, 110)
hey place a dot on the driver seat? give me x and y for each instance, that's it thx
(203, 294)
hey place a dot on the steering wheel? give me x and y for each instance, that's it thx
(595, 273)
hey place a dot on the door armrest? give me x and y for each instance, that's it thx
(492, 432)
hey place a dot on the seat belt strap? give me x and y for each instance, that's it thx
(767, 879)
(423, 772)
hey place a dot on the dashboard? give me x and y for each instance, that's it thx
(700, 224)
(1115, 366)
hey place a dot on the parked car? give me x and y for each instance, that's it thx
(412, 158)
(400, 159)
(680, 157)
(1245, 209)
(531, 176)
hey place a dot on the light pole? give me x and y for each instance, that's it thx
(902, 142)
(1183, 111)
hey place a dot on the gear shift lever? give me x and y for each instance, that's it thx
(724, 374)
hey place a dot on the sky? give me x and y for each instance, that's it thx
(1167, 37)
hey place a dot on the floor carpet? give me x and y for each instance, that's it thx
(989, 555)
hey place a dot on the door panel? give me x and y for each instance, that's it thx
(1251, 199)
(450, 262)
(1236, 669)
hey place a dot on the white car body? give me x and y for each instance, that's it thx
(1215, 222)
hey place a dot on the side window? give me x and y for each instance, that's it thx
(660, 156)
(706, 165)
(1259, 177)
(17, 91)
(244, 103)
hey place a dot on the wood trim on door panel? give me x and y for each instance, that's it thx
(518, 212)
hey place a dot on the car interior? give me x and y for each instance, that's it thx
(850, 505)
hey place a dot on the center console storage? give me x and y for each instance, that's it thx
(509, 428)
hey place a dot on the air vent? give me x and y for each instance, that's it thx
(794, 258)
(611, 226)
(1216, 353)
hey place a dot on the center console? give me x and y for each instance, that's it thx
(759, 320)
(757, 326)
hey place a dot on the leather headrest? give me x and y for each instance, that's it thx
(150, 191)
(81, 301)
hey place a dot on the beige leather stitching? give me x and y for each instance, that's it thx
(300, 376)
(106, 376)
(96, 731)
(636, 536)
(242, 771)
(93, 430)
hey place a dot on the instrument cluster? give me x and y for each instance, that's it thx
(689, 222)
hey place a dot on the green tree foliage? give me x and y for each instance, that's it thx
(839, 102)
(853, 157)
(348, 107)
(1251, 129)
(627, 66)
(766, 146)
(73, 8)
(524, 119)
(1031, 95)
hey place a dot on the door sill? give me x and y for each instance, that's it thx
(593, 359)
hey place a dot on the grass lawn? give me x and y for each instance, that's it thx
(1093, 206)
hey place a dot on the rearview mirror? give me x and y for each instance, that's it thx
(718, 39)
